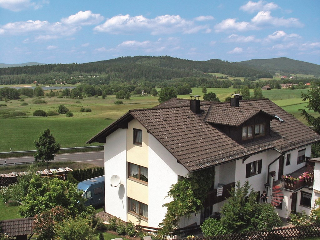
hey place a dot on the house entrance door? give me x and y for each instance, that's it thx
(281, 163)
(294, 202)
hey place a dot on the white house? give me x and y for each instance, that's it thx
(145, 152)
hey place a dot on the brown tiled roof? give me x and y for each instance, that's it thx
(234, 116)
(194, 141)
(17, 227)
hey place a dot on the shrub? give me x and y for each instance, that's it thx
(39, 113)
(212, 227)
(121, 228)
(3, 105)
(112, 223)
(39, 101)
(62, 109)
(74, 229)
(69, 114)
(118, 102)
(130, 229)
(52, 113)
(85, 109)
(24, 104)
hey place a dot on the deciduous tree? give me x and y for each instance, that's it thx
(43, 194)
(46, 147)
(166, 94)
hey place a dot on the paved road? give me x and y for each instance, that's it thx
(95, 157)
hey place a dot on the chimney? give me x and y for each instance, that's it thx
(235, 100)
(195, 104)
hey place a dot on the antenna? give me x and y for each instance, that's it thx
(115, 181)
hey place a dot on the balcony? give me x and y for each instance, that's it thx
(218, 195)
(303, 177)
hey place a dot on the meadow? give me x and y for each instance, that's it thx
(19, 133)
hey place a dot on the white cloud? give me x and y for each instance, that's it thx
(262, 19)
(265, 18)
(135, 44)
(258, 6)
(19, 5)
(51, 47)
(231, 24)
(167, 44)
(242, 39)
(236, 50)
(165, 24)
(24, 27)
(85, 45)
(203, 18)
(83, 18)
(281, 35)
(284, 46)
(310, 45)
(46, 31)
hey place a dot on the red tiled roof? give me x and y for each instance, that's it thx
(196, 143)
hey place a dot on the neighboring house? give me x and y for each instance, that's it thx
(266, 87)
(145, 152)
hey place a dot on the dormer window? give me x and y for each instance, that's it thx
(246, 132)
(259, 129)
(256, 130)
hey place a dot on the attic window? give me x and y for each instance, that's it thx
(259, 129)
(256, 130)
(246, 132)
(137, 136)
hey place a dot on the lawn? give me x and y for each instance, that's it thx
(8, 212)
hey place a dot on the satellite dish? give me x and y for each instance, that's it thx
(115, 180)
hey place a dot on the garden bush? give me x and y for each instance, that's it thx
(85, 109)
(130, 229)
(69, 114)
(121, 228)
(39, 101)
(62, 109)
(52, 113)
(39, 113)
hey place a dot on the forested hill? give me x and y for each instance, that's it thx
(151, 68)
(283, 65)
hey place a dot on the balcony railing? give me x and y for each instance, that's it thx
(219, 194)
(298, 184)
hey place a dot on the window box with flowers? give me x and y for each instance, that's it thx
(292, 183)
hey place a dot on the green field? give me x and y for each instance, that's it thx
(20, 133)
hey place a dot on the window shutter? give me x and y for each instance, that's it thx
(248, 169)
(259, 166)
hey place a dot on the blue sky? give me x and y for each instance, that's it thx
(69, 31)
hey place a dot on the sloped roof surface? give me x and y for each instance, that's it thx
(17, 227)
(234, 116)
(194, 141)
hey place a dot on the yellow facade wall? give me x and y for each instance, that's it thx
(137, 154)
(137, 221)
(137, 191)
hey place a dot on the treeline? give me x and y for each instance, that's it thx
(125, 70)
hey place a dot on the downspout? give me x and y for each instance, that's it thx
(269, 186)
(268, 183)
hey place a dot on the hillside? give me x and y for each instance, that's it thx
(152, 68)
(283, 65)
